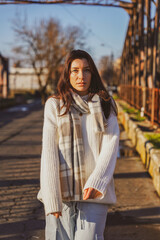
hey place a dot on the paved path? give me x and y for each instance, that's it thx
(20, 212)
(135, 217)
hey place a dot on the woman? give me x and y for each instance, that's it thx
(80, 144)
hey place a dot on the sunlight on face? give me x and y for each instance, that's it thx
(80, 76)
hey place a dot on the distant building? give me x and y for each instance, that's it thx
(24, 79)
(4, 77)
(117, 64)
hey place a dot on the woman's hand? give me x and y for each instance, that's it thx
(91, 193)
(57, 214)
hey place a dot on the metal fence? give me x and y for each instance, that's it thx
(139, 97)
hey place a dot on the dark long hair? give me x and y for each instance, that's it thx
(96, 86)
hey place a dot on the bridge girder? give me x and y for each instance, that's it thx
(141, 51)
(110, 3)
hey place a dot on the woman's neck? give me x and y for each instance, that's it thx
(84, 97)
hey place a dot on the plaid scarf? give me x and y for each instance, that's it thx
(71, 150)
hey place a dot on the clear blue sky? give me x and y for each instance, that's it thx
(107, 26)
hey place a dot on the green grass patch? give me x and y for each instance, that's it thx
(154, 138)
(115, 97)
(129, 110)
(138, 117)
(135, 112)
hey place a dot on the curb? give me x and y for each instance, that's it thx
(149, 155)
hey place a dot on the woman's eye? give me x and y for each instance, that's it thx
(75, 71)
(87, 70)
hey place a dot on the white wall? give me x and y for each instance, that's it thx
(24, 79)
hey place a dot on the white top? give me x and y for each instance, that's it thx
(100, 159)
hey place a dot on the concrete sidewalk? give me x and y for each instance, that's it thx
(135, 217)
(136, 131)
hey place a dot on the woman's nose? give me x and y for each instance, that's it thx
(81, 74)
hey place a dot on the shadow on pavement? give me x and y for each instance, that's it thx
(134, 216)
(18, 227)
(132, 175)
(19, 182)
(8, 115)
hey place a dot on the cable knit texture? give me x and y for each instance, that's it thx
(100, 159)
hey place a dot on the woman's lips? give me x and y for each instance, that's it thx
(81, 84)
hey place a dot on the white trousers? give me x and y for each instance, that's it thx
(79, 221)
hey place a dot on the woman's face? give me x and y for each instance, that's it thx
(80, 76)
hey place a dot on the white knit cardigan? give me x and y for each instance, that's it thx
(100, 159)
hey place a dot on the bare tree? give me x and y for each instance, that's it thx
(43, 47)
(108, 71)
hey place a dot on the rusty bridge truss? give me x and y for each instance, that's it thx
(111, 3)
(140, 60)
(141, 53)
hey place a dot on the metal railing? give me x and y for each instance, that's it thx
(139, 97)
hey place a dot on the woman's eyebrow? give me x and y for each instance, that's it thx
(78, 67)
(87, 67)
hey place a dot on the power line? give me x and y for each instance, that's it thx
(90, 30)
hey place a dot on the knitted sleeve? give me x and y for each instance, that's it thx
(105, 165)
(49, 177)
